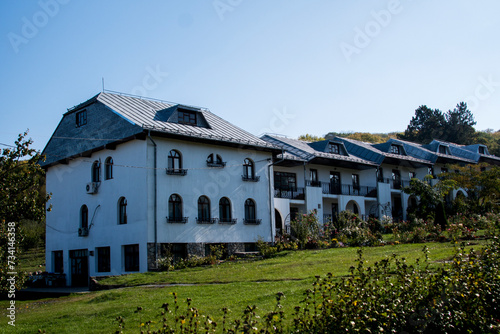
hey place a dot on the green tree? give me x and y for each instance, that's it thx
(310, 138)
(426, 125)
(431, 198)
(482, 183)
(459, 126)
(21, 181)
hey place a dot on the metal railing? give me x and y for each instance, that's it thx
(396, 183)
(250, 178)
(348, 189)
(252, 221)
(206, 220)
(294, 193)
(174, 171)
(228, 221)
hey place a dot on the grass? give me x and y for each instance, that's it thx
(230, 284)
(32, 260)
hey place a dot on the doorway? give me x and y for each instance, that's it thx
(79, 267)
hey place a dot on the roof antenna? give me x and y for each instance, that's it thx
(103, 84)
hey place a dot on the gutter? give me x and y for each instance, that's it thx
(155, 198)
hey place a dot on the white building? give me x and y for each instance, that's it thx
(133, 178)
(130, 176)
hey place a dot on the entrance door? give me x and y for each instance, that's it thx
(335, 183)
(79, 267)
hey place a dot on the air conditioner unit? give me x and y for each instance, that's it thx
(83, 231)
(91, 187)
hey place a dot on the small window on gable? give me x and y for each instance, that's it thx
(81, 118)
(187, 117)
(333, 148)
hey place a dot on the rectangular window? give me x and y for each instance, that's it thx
(131, 257)
(314, 177)
(58, 261)
(355, 181)
(395, 149)
(286, 181)
(81, 118)
(334, 148)
(412, 175)
(103, 259)
(442, 149)
(187, 117)
(482, 150)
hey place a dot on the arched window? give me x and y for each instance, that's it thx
(215, 161)
(122, 211)
(84, 216)
(96, 171)
(175, 208)
(225, 210)
(248, 170)
(109, 168)
(203, 209)
(250, 213)
(174, 160)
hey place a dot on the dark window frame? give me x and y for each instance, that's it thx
(395, 149)
(334, 148)
(81, 118)
(187, 117)
(175, 208)
(58, 261)
(174, 160)
(250, 210)
(122, 211)
(96, 171)
(285, 180)
(131, 257)
(248, 169)
(225, 210)
(355, 181)
(103, 259)
(204, 212)
(84, 216)
(108, 172)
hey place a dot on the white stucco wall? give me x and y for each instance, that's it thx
(67, 183)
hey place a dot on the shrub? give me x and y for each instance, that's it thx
(266, 249)
(306, 229)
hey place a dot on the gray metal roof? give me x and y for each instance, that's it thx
(146, 113)
(305, 151)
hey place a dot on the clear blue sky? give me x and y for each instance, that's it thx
(290, 67)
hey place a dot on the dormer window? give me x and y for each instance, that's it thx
(186, 117)
(396, 149)
(334, 148)
(482, 150)
(443, 149)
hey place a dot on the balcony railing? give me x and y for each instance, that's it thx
(396, 183)
(294, 193)
(252, 221)
(348, 189)
(206, 220)
(310, 183)
(226, 221)
(250, 178)
(177, 220)
(175, 171)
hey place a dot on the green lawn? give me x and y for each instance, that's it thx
(230, 284)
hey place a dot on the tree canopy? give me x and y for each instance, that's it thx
(455, 126)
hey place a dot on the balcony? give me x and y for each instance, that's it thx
(293, 193)
(348, 189)
(174, 171)
(252, 221)
(206, 220)
(177, 220)
(249, 178)
(396, 183)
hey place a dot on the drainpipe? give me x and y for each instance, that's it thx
(155, 198)
(271, 192)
